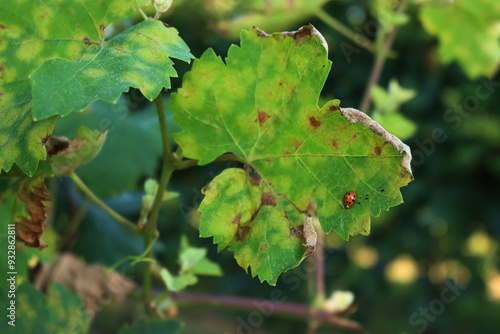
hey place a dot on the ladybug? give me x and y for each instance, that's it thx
(349, 199)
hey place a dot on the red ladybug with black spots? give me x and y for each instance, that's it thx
(349, 199)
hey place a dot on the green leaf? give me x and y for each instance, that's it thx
(177, 283)
(262, 106)
(191, 256)
(138, 57)
(154, 327)
(79, 151)
(193, 260)
(33, 31)
(468, 33)
(390, 100)
(36, 313)
(206, 267)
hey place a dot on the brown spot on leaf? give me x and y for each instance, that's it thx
(77, 26)
(86, 41)
(378, 150)
(1, 67)
(268, 199)
(205, 188)
(333, 108)
(237, 219)
(3, 27)
(102, 27)
(209, 118)
(296, 233)
(242, 232)
(314, 122)
(263, 116)
(263, 247)
(334, 143)
(30, 229)
(254, 180)
(280, 83)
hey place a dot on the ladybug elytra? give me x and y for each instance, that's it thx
(349, 199)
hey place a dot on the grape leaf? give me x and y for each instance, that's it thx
(154, 327)
(138, 57)
(79, 151)
(177, 283)
(262, 106)
(30, 32)
(467, 32)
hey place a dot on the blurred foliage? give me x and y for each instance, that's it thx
(386, 109)
(446, 232)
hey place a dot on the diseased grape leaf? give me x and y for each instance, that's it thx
(138, 57)
(262, 106)
(29, 209)
(243, 214)
(30, 32)
(468, 33)
(79, 151)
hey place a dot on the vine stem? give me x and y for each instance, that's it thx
(342, 29)
(291, 309)
(124, 221)
(150, 231)
(379, 63)
(317, 281)
(320, 266)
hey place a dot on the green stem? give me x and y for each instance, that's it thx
(379, 63)
(124, 221)
(342, 29)
(144, 16)
(150, 230)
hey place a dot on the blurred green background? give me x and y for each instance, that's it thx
(446, 232)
